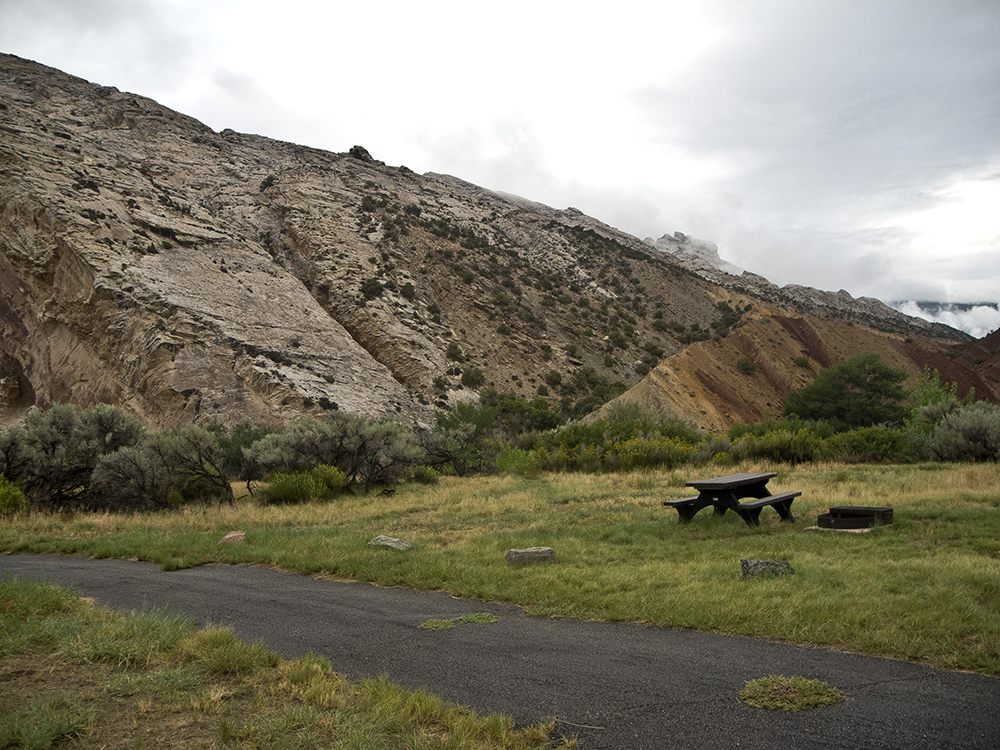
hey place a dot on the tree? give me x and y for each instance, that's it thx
(858, 392)
(62, 447)
(461, 438)
(13, 453)
(193, 455)
(132, 478)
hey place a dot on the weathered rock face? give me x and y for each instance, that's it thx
(136, 269)
(190, 275)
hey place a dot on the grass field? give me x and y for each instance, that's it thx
(926, 588)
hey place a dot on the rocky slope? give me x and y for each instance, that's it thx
(192, 275)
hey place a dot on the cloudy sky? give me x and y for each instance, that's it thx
(840, 144)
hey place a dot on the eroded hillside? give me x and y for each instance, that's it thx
(709, 385)
(192, 275)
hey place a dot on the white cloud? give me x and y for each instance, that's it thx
(976, 320)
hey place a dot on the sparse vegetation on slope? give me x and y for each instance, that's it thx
(232, 278)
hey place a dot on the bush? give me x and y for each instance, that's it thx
(426, 475)
(779, 445)
(746, 366)
(626, 455)
(369, 452)
(371, 288)
(331, 481)
(473, 377)
(970, 433)
(59, 449)
(12, 499)
(133, 478)
(288, 489)
(462, 438)
(871, 444)
(514, 460)
(319, 483)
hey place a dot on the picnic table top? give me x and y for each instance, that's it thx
(733, 480)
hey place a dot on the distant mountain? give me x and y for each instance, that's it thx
(189, 275)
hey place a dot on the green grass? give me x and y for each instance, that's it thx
(780, 693)
(77, 674)
(481, 618)
(926, 588)
(42, 723)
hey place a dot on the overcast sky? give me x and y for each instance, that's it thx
(839, 144)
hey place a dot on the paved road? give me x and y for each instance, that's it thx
(613, 685)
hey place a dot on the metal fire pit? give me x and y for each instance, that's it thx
(850, 517)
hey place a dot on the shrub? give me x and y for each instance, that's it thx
(408, 291)
(746, 366)
(371, 288)
(322, 482)
(13, 452)
(461, 438)
(970, 433)
(196, 460)
(779, 445)
(286, 489)
(12, 499)
(514, 460)
(331, 480)
(369, 452)
(871, 444)
(133, 478)
(472, 377)
(59, 448)
(426, 475)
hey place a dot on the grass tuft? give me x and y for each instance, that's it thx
(480, 618)
(45, 722)
(780, 693)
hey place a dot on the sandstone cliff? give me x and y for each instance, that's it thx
(192, 275)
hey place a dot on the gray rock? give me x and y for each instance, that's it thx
(388, 541)
(233, 537)
(760, 568)
(530, 555)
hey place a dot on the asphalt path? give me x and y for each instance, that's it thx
(612, 685)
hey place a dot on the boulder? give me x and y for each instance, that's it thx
(760, 568)
(530, 555)
(234, 537)
(388, 541)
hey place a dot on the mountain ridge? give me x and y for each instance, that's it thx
(191, 275)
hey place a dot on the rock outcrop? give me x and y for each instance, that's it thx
(190, 275)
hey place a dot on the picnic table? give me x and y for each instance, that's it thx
(726, 493)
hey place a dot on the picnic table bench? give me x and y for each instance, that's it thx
(726, 493)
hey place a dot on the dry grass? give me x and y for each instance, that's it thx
(155, 682)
